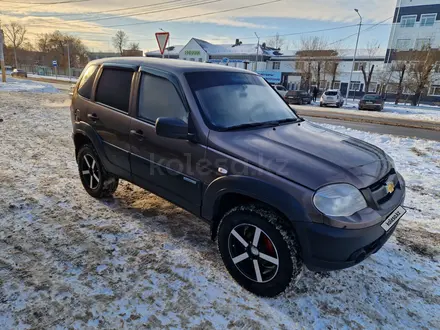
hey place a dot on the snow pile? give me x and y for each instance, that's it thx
(22, 85)
(137, 261)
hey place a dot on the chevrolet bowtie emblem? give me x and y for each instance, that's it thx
(390, 187)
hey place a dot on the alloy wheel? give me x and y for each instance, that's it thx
(90, 171)
(253, 253)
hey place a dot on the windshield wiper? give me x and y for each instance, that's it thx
(262, 124)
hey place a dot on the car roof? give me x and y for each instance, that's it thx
(332, 90)
(169, 65)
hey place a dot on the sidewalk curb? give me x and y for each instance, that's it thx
(435, 126)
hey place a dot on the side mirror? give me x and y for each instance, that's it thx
(173, 128)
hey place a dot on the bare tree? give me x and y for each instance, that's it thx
(133, 46)
(276, 42)
(120, 40)
(43, 42)
(16, 33)
(420, 69)
(383, 78)
(367, 71)
(314, 51)
(400, 68)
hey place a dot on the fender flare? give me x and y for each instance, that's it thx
(89, 132)
(254, 188)
(86, 130)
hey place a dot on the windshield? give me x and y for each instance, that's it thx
(230, 99)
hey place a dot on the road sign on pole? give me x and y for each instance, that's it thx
(55, 63)
(162, 40)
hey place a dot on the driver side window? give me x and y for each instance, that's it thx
(159, 98)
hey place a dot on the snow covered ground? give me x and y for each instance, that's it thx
(62, 78)
(23, 85)
(136, 261)
(423, 112)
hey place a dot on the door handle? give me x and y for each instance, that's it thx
(137, 133)
(93, 116)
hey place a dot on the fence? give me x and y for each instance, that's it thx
(50, 71)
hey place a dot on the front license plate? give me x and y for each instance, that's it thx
(393, 218)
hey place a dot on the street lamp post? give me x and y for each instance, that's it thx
(258, 49)
(354, 57)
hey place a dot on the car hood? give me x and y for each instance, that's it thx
(306, 153)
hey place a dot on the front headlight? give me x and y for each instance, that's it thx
(340, 200)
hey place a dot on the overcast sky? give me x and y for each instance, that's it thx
(96, 21)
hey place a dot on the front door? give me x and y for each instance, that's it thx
(167, 167)
(108, 115)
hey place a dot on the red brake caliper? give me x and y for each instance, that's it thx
(268, 245)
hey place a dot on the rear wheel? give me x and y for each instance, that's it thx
(95, 179)
(259, 253)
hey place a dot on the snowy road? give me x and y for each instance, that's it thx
(136, 261)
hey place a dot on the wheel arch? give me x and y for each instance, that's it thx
(228, 192)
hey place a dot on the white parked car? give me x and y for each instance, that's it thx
(280, 90)
(332, 97)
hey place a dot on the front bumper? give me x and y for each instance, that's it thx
(325, 247)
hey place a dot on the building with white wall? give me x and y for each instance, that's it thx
(416, 23)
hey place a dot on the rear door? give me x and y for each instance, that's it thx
(167, 167)
(108, 115)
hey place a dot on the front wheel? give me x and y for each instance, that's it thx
(259, 253)
(95, 179)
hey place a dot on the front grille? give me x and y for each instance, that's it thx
(379, 189)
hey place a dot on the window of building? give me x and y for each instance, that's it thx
(200, 59)
(434, 90)
(436, 68)
(159, 98)
(336, 85)
(355, 85)
(403, 44)
(408, 20)
(192, 59)
(392, 88)
(359, 65)
(276, 65)
(114, 88)
(86, 84)
(299, 66)
(372, 88)
(422, 43)
(428, 19)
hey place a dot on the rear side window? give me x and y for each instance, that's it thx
(86, 84)
(159, 98)
(114, 88)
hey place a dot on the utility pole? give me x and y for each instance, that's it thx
(68, 59)
(258, 49)
(2, 57)
(354, 58)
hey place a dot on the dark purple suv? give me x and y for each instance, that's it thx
(279, 192)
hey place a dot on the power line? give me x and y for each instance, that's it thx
(367, 29)
(193, 16)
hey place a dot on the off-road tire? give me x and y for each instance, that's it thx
(107, 183)
(283, 240)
